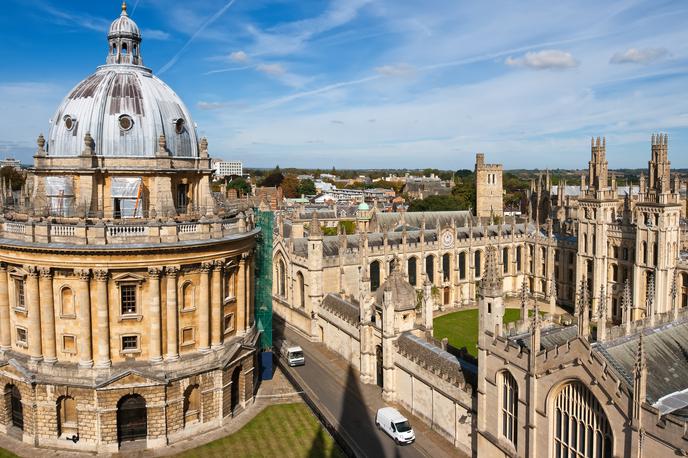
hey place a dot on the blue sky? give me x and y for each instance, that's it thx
(376, 83)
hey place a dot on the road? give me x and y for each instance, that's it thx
(350, 406)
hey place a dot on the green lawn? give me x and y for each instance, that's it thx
(7, 454)
(461, 328)
(283, 430)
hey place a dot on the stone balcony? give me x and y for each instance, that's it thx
(94, 232)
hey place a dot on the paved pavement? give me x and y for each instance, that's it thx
(351, 406)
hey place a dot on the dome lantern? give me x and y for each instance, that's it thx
(124, 38)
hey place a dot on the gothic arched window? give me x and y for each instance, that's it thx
(509, 408)
(581, 428)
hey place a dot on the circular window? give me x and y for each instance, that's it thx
(68, 122)
(126, 122)
(179, 125)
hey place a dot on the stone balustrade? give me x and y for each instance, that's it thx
(111, 233)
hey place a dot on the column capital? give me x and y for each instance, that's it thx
(245, 255)
(100, 274)
(3, 266)
(154, 272)
(83, 274)
(32, 271)
(218, 264)
(172, 271)
(45, 272)
(206, 266)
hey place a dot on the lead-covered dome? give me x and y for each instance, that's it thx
(123, 106)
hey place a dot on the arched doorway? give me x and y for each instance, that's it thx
(580, 425)
(16, 408)
(235, 388)
(132, 418)
(192, 405)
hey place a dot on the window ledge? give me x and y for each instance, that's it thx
(23, 311)
(130, 317)
(192, 309)
(71, 316)
(130, 352)
(23, 345)
(187, 344)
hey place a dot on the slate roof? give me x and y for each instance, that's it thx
(342, 308)
(430, 356)
(403, 294)
(550, 336)
(666, 351)
(433, 220)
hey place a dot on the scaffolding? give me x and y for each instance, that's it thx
(263, 273)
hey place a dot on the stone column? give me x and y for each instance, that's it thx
(103, 314)
(84, 300)
(172, 315)
(47, 314)
(241, 296)
(204, 310)
(34, 314)
(155, 344)
(250, 272)
(216, 306)
(5, 330)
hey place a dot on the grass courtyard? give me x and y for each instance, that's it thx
(283, 430)
(461, 328)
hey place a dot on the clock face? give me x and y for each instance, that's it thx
(447, 239)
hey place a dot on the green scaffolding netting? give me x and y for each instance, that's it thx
(263, 299)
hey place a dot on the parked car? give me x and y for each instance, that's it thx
(395, 424)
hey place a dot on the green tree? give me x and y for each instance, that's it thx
(290, 186)
(241, 185)
(436, 203)
(306, 188)
(273, 179)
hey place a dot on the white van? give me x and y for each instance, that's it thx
(395, 424)
(294, 355)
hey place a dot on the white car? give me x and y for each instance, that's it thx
(395, 424)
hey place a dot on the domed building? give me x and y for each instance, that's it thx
(126, 286)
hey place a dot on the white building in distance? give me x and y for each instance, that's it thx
(229, 168)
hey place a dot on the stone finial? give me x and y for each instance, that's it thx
(583, 308)
(40, 141)
(650, 298)
(524, 299)
(204, 147)
(88, 145)
(162, 145)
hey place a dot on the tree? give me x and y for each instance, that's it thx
(241, 185)
(274, 179)
(290, 186)
(306, 188)
(436, 203)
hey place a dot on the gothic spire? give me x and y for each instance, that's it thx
(491, 283)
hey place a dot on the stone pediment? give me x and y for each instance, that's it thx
(131, 379)
(128, 277)
(15, 370)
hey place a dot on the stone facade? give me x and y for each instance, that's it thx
(126, 289)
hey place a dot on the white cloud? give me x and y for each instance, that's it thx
(239, 56)
(203, 105)
(271, 69)
(639, 56)
(548, 59)
(154, 34)
(395, 70)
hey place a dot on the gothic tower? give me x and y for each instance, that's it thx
(489, 193)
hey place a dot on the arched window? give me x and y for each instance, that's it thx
(655, 254)
(282, 276)
(478, 257)
(643, 254)
(446, 266)
(374, 275)
(509, 408)
(430, 268)
(301, 284)
(581, 428)
(462, 265)
(192, 405)
(684, 290)
(519, 259)
(124, 49)
(615, 272)
(412, 274)
(67, 302)
(505, 260)
(66, 416)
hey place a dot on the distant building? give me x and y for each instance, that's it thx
(10, 162)
(489, 191)
(229, 168)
